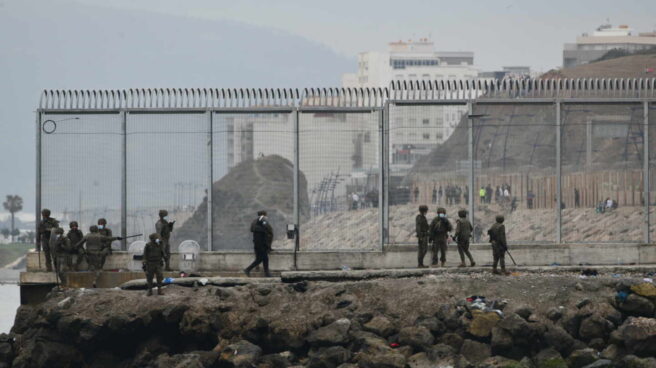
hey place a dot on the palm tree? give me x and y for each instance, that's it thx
(13, 204)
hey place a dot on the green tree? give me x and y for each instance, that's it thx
(13, 204)
(5, 232)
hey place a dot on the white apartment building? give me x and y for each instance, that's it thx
(589, 47)
(414, 132)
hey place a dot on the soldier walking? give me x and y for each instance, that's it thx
(105, 231)
(46, 226)
(153, 260)
(463, 233)
(262, 239)
(75, 235)
(61, 247)
(164, 229)
(497, 235)
(439, 231)
(422, 235)
(96, 250)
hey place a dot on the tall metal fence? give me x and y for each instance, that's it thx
(562, 160)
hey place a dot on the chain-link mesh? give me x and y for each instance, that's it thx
(515, 170)
(339, 160)
(652, 171)
(253, 170)
(81, 168)
(167, 168)
(602, 160)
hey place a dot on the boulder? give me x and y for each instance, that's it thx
(483, 322)
(554, 313)
(390, 359)
(418, 337)
(560, 340)
(516, 326)
(632, 361)
(440, 351)
(368, 342)
(380, 326)
(241, 354)
(603, 310)
(420, 360)
(549, 358)
(500, 362)
(638, 335)
(335, 333)
(524, 311)
(452, 339)
(330, 357)
(611, 352)
(501, 341)
(646, 289)
(582, 357)
(636, 305)
(601, 363)
(475, 351)
(179, 360)
(594, 327)
(274, 361)
(433, 324)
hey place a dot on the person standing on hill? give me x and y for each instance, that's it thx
(422, 235)
(439, 231)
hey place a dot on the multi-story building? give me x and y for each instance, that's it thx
(590, 47)
(414, 134)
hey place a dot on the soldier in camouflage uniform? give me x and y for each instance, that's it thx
(497, 235)
(439, 232)
(105, 231)
(61, 248)
(422, 235)
(153, 260)
(96, 249)
(75, 236)
(462, 235)
(46, 226)
(164, 229)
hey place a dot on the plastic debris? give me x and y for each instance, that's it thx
(346, 268)
(169, 280)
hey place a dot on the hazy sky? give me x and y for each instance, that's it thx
(101, 44)
(500, 32)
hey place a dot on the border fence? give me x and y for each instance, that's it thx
(565, 160)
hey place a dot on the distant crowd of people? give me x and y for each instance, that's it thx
(357, 201)
(452, 194)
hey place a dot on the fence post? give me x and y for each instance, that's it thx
(645, 173)
(470, 153)
(124, 178)
(385, 194)
(38, 180)
(210, 207)
(297, 214)
(381, 178)
(559, 198)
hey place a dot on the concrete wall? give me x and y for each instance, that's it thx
(401, 257)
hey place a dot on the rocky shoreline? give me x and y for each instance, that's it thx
(539, 320)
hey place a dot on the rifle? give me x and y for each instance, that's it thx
(132, 236)
(511, 257)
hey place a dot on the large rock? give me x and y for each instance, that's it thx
(594, 327)
(335, 333)
(241, 354)
(263, 183)
(501, 341)
(639, 336)
(582, 357)
(516, 326)
(549, 358)
(380, 326)
(646, 289)
(389, 359)
(330, 357)
(632, 361)
(418, 337)
(482, 323)
(559, 339)
(636, 305)
(475, 351)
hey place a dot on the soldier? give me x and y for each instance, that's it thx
(262, 239)
(61, 248)
(164, 229)
(439, 231)
(497, 235)
(153, 260)
(46, 226)
(75, 235)
(96, 250)
(463, 233)
(422, 235)
(105, 231)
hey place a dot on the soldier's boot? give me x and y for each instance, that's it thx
(462, 265)
(159, 291)
(473, 264)
(150, 292)
(442, 263)
(247, 272)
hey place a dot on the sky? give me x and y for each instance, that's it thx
(100, 44)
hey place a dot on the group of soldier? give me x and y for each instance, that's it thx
(437, 234)
(60, 248)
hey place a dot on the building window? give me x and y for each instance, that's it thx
(425, 76)
(367, 137)
(438, 136)
(425, 121)
(426, 136)
(439, 76)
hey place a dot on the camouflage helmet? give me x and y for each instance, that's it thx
(163, 213)
(462, 213)
(45, 212)
(153, 236)
(73, 223)
(93, 228)
(102, 221)
(500, 219)
(423, 208)
(441, 210)
(59, 230)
